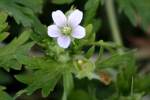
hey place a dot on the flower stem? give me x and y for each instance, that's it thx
(113, 23)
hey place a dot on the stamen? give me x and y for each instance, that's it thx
(66, 30)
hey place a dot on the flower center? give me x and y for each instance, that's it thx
(66, 30)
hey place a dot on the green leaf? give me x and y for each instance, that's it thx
(141, 83)
(3, 26)
(35, 5)
(3, 17)
(68, 84)
(125, 63)
(90, 8)
(4, 95)
(25, 78)
(90, 52)
(117, 60)
(2, 87)
(51, 81)
(62, 1)
(90, 35)
(23, 12)
(5, 78)
(137, 11)
(3, 36)
(35, 62)
(89, 30)
(22, 38)
(13, 46)
(97, 24)
(48, 72)
(44, 71)
(48, 77)
(17, 47)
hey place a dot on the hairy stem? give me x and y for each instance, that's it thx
(113, 23)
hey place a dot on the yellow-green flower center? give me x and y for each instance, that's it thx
(66, 30)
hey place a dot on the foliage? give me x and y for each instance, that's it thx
(136, 11)
(4, 95)
(3, 26)
(90, 8)
(14, 49)
(24, 12)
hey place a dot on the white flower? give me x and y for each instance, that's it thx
(66, 27)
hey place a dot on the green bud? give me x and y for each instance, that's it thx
(84, 68)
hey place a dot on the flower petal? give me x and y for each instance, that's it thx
(64, 41)
(53, 31)
(59, 18)
(78, 32)
(75, 18)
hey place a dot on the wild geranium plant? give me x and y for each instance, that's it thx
(61, 55)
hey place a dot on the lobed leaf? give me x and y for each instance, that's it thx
(23, 12)
(137, 11)
(4, 95)
(9, 53)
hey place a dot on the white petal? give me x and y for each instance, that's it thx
(59, 18)
(53, 31)
(64, 41)
(75, 18)
(78, 32)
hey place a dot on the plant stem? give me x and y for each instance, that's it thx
(113, 23)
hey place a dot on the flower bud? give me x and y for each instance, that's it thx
(84, 68)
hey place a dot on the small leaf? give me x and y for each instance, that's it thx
(3, 17)
(90, 35)
(3, 36)
(117, 60)
(90, 52)
(141, 83)
(25, 78)
(137, 11)
(4, 95)
(35, 5)
(24, 12)
(23, 37)
(91, 7)
(10, 52)
(97, 24)
(126, 65)
(2, 87)
(48, 72)
(48, 77)
(89, 30)
(50, 85)
(3, 24)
